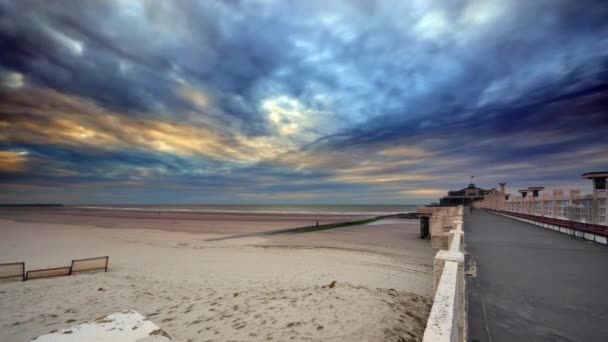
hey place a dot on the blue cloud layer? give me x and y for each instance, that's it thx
(247, 101)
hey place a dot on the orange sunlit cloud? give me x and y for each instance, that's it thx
(424, 192)
(11, 161)
(69, 120)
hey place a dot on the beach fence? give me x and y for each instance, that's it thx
(90, 264)
(47, 273)
(447, 320)
(17, 269)
(12, 270)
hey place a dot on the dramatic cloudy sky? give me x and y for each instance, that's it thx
(298, 101)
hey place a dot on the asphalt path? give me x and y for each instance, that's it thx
(527, 283)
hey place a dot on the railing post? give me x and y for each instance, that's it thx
(595, 209)
(439, 262)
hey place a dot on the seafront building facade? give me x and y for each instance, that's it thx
(589, 209)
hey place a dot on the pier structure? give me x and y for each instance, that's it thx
(437, 222)
(514, 281)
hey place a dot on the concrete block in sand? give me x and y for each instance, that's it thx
(124, 326)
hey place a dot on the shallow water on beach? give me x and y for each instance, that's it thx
(264, 208)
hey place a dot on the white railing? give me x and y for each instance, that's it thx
(576, 207)
(578, 215)
(602, 211)
(447, 321)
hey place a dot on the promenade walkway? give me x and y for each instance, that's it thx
(533, 284)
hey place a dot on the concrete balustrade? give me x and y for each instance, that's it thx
(572, 213)
(443, 323)
(570, 206)
(455, 234)
(448, 316)
(439, 263)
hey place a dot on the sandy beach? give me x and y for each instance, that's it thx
(256, 288)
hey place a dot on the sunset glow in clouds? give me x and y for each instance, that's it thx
(297, 101)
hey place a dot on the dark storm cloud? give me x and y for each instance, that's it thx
(273, 97)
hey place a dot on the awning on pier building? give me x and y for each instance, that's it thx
(599, 180)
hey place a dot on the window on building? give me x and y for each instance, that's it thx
(600, 183)
(587, 210)
(537, 208)
(549, 208)
(562, 209)
(582, 210)
(576, 213)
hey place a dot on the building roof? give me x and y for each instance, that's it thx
(591, 175)
(470, 187)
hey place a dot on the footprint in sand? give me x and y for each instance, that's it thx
(240, 325)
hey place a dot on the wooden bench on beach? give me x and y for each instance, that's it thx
(17, 269)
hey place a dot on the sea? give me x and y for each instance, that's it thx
(333, 209)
